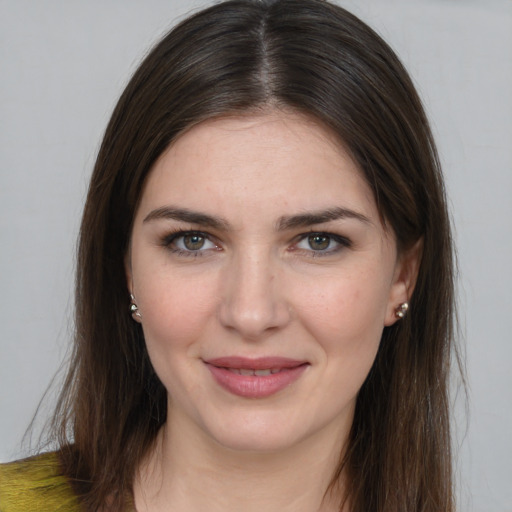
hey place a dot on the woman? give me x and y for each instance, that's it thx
(264, 295)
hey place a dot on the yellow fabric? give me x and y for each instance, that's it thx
(35, 485)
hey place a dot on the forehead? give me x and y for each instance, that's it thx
(254, 161)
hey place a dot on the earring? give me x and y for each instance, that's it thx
(401, 310)
(134, 310)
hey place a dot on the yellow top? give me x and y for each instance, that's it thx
(36, 485)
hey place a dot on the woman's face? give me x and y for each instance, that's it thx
(264, 278)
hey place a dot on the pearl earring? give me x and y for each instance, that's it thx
(134, 310)
(401, 310)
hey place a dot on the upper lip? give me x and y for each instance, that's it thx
(260, 363)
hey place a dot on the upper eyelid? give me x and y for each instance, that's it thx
(335, 236)
(169, 238)
(184, 232)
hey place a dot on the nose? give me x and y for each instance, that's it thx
(253, 302)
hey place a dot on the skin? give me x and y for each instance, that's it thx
(258, 286)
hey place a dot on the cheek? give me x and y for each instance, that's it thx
(346, 315)
(174, 320)
(174, 310)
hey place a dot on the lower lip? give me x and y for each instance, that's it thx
(255, 386)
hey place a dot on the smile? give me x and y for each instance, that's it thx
(255, 378)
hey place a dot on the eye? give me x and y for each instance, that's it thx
(189, 242)
(319, 242)
(192, 242)
(322, 243)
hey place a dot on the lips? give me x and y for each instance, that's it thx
(255, 378)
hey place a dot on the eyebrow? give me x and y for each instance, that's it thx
(284, 223)
(186, 215)
(319, 217)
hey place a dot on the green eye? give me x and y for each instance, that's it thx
(319, 242)
(322, 244)
(193, 242)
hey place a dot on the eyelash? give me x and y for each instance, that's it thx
(171, 238)
(341, 241)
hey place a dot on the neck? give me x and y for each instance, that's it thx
(186, 471)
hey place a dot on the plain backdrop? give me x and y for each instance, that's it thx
(63, 63)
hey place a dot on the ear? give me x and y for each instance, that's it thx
(404, 280)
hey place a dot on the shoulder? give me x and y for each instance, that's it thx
(35, 484)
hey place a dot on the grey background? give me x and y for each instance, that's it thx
(62, 67)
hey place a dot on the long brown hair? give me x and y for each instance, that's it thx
(316, 58)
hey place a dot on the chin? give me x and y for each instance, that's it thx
(262, 433)
(254, 442)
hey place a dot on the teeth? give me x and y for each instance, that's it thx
(258, 373)
(262, 372)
